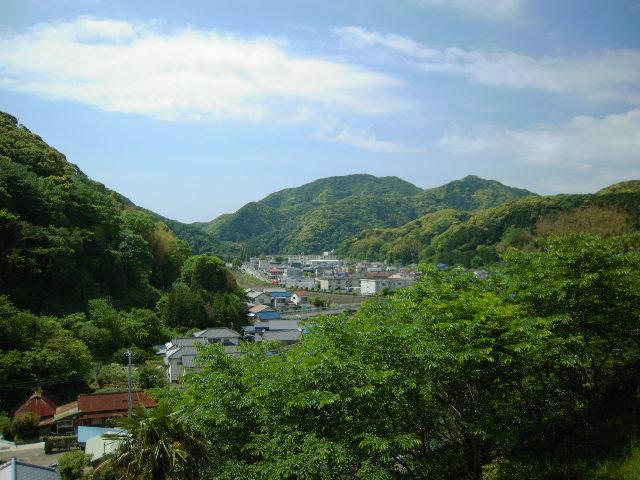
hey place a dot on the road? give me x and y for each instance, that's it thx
(31, 453)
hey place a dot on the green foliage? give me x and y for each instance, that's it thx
(5, 427)
(36, 349)
(322, 214)
(160, 443)
(528, 374)
(207, 272)
(456, 237)
(60, 443)
(206, 296)
(24, 426)
(112, 376)
(149, 376)
(66, 239)
(72, 465)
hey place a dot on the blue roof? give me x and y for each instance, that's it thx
(268, 315)
(280, 294)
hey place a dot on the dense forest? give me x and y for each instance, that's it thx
(322, 214)
(85, 275)
(478, 238)
(532, 373)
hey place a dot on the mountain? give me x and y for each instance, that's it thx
(476, 238)
(65, 238)
(322, 214)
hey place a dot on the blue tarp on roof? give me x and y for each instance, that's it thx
(268, 315)
(280, 294)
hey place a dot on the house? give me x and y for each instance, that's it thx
(226, 336)
(259, 298)
(266, 315)
(283, 325)
(300, 297)
(371, 286)
(98, 446)
(260, 308)
(180, 342)
(94, 409)
(179, 361)
(65, 416)
(18, 470)
(280, 299)
(288, 337)
(40, 406)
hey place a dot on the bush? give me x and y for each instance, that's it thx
(25, 426)
(60, 443)
(72, 465)
(148, 376)
(112, 375)
(5, 427)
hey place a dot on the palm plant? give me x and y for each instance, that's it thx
(156, 444)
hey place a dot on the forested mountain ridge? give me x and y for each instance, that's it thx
(322, 214)
(476, 238)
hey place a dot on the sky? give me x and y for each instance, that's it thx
(194, 108)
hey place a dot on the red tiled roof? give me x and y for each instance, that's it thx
(111, 402)
(302, 293)
(41, 406)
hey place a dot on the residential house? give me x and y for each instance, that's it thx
(182, 361)
(280, 299)
(43, 407)
(94, 409)
(259, 298)
(264, 315)
(65, 417)
(288, 337)
(300, 297)
(226, 336)
(18, 470)
(180, 342)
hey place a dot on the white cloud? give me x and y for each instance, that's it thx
(488, 9)
(583, 152)
(332, 133)
(204, 75)
(604, 75)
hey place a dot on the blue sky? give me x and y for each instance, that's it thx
(193, 108)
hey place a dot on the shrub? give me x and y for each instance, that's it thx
(25, 426)
(72, 465)
(60, 443)
(5, 427)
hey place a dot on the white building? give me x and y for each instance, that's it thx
(371, 286)
(336, 283)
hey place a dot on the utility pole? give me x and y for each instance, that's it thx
(129, 399)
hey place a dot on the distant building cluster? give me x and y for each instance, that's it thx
(327, 273)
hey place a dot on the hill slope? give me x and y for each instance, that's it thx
(475, 238)
(322, 214)
(65, 239)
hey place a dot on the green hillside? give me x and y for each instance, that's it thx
(458, 237)
(65, 239)
(322, 214)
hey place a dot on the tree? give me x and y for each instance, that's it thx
(158, 443)
(207, 272)
(24, 426)
(148, 376)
